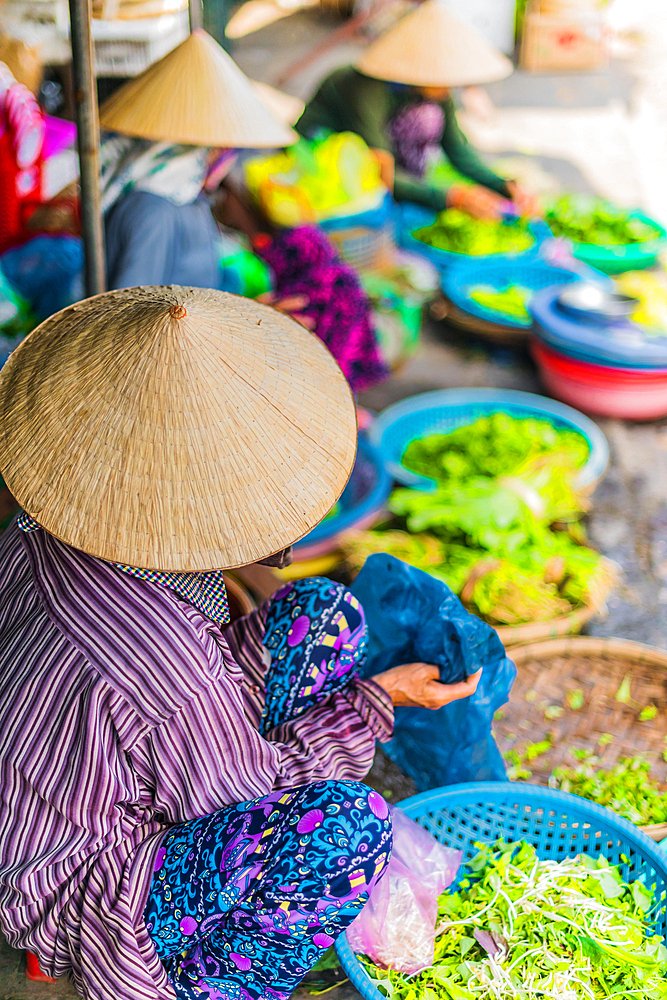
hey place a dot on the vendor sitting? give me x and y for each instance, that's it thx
(181, 813)
(398, 100)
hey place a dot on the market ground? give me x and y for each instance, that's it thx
(602, 132)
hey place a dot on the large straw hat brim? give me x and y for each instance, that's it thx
(175, 429)
(286, 108)
(431, 47)
(197, 95)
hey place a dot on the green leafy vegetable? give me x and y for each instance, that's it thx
(511, 300)
(592, 220)
(623, 695)
(493, 445)
(627, 787)
(521, 927)
(458, 232)
(502, 529)
(575, 699)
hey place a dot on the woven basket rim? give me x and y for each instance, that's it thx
(588, 645)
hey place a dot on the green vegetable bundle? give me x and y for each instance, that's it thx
(458, 232)
(592, 220)
(521, 927)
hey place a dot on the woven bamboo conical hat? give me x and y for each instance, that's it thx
(285, 107)
(175, 428)
(431, 47)
(196, 94)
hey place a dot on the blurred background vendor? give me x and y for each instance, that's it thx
(398, 100)
(165, 186)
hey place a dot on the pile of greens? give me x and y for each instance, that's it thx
(458, 232)
(493, 445)
(511, 300)
(502, 529)
(627, 787)
(520, 927)
(592, 220)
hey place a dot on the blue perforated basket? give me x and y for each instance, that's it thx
(534, 274)
(410, 218)
(444, 410)
(557, 824)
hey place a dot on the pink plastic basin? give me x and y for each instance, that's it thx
(628, 394)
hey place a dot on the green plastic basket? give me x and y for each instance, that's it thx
(626, 257)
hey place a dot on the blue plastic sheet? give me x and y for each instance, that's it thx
(414, 618)
(47, 271)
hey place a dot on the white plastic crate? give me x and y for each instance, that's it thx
(121, 48)
(125, 48)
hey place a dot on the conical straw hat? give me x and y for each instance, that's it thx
(175, 429)
(196, 94)
(286, 108)
(431, 47)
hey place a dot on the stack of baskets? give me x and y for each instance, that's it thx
(615, 370)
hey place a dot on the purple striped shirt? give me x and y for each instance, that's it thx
(124, 710)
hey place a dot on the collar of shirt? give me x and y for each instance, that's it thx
(205, 591)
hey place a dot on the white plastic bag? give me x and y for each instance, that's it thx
(396, 928)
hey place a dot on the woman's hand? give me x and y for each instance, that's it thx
(417, 685)
(291, 305)
(477, 201)
(527, 203)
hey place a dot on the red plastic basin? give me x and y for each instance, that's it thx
(625, 393)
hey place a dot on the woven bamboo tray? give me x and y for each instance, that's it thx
(548, 670)
(570, 624)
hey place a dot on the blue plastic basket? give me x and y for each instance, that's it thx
(557, 824)
(617, 345)
(444, 410)
(411, 217)
(532, 273)
(364, 496)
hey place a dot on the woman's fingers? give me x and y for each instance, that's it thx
(292, 304)
(418, 685)
(444, 694)
(476, 200)
(306, 321)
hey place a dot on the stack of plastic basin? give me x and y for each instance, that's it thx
(614, 369)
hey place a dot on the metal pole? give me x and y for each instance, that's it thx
(196, 12)
(88, 132)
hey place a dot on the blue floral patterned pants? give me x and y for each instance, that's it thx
(244, 901)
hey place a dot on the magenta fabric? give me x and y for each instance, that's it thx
(59, 135)
(305, 262)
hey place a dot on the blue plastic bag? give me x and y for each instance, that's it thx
(414, 618)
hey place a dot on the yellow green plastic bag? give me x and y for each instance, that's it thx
(330, 177)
